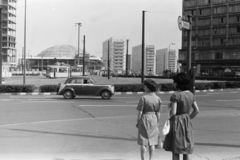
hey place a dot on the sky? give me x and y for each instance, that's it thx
(53, 22)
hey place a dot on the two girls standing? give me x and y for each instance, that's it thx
(183, 108)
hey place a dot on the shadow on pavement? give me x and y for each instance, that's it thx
(218, 145)
(116, 138)
(77, 134)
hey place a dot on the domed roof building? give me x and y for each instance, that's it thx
(64, 55)
(60, 51)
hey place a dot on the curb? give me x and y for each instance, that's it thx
(30, 94)
(116, 93)
(167, 92)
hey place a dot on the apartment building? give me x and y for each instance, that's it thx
(9, 32)
(149, 59)
(115, 47)
(137, 59)
(161, 62)
(172, 60)
(166, 59)
(215, 35)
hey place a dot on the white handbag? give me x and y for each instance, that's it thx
(166, 127)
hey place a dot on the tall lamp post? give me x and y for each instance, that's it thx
(0, 45)
(24, 69)
(143, 44)
(79, 25)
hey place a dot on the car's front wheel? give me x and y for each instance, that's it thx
(68, 94)
(106, 95)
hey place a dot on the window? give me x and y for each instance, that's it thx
(222, 41)
(79, 81)
(238, 29)
(85, 81)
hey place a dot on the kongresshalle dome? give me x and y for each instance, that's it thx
(59, 51)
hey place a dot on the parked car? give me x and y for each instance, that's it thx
(84, 86)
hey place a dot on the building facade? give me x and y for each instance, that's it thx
(62, 54)
(9, 32)
(149, 59)
(215, 35)
(115, 48)
(172, 60)
(166, 60)
(161, 62)
(137, 59)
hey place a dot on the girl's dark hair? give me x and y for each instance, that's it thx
(151, 85)
(182, 80)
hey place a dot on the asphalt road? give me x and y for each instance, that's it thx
(89, 128)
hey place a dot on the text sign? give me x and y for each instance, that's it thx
(185, 25)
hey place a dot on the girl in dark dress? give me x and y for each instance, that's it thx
(180, 140)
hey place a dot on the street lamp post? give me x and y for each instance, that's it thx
(79, 25)
(24, 69)
(143, 43)
(0, 45)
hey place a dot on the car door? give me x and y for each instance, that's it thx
(78, 86)
(89, 88)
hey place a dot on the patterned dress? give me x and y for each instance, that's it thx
(180, 139)
(147, 126)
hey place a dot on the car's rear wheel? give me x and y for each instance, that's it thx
(68, 94)
(105, 95)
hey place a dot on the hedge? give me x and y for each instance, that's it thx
(17, 88)
(162, 87)
(120, 87)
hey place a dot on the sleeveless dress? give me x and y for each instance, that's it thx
(147, 127)
(180, 139)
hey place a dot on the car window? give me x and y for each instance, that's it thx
(79, 81)
(85, 81)
(70, 81)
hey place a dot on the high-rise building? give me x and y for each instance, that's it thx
(172, 60)
(161, 62)
(9, 31)
(137, 59)
(117, 54)
(149, 59)
(215, 35)
(166, 60)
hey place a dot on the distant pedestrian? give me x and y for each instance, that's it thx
(180, 139)
(148, 119)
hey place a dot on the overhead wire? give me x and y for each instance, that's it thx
(154, 5)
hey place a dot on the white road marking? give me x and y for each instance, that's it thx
(123, 97)
(111, 105)
(34, 101)
(107, 105)
(61, 120)
(222, 93)
(137, 102)
(228, 100)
